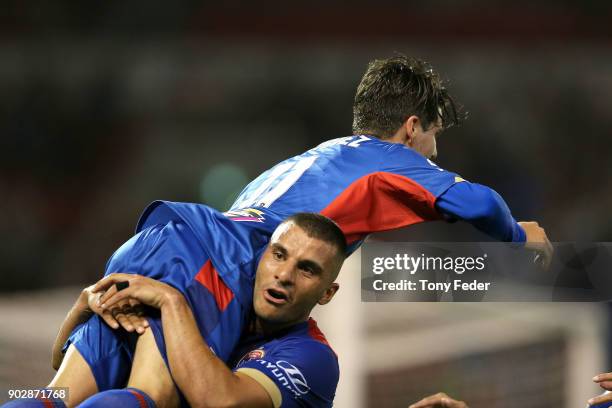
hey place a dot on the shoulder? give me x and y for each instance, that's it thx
(302, 367)
(306, 348)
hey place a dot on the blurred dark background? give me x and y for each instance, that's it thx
(108, 106)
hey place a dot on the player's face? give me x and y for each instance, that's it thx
(294, 274)
(424, 141)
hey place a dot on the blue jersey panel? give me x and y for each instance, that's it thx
(304, 369)
(233, 241)
(351, 179)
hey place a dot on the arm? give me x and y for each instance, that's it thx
(78, 314)
(483, 208)
(201, 376)
(85, 306)
(486, 210)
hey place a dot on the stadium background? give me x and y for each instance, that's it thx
(108, 106)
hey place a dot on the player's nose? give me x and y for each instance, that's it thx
(286, 273)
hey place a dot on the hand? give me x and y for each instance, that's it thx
(127, 314)
(604, 381)
(439, 400)
(601, 401)
(538, 241)
(146, 290)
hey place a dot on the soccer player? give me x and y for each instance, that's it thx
(383, 176)
(208, 257)
(284, 361)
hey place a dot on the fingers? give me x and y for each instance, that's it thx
(110, 280)
(537, 240)
(112, 297)
(439, 400)
(127, 314)
(108, 318)
(429, 402)
(600, 399)
(604, 381)
(121, 315)
(107, 295)
(106, 315)
(135, 314)
(544, 255)
(117, 311)
(114, 287)
(128, 317)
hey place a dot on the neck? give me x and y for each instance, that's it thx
(399, 137)
(268, 328)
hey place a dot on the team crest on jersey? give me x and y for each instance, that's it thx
(256, 354)
(246, 214)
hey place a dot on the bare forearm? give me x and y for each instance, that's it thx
(76, 315)
(202, 377)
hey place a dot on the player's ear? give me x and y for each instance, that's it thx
(329, 293)
(410, 125)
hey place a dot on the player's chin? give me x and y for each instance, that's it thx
(265, 310)
(272, 313)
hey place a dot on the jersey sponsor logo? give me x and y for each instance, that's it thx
(245, 214)
(295, 376)
(288, 376)
(257, 354)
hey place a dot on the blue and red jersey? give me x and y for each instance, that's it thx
(300, 368)
(363, 183)
(367, 185)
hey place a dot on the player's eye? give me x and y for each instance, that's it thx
(307, 270)
(278, 255)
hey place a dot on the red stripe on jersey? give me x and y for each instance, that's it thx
(141, 401)
(210, 279)
(378, 202)
(317, 334)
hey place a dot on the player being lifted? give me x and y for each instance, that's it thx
(379, 179)
(382, 177)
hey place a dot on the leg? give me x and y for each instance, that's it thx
(76, 375)
(150, 373)
(98, 358)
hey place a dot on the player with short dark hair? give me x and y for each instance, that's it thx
(283, 361)
(382, 177)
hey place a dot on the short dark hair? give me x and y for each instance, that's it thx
(396, 88)
(320, 227)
